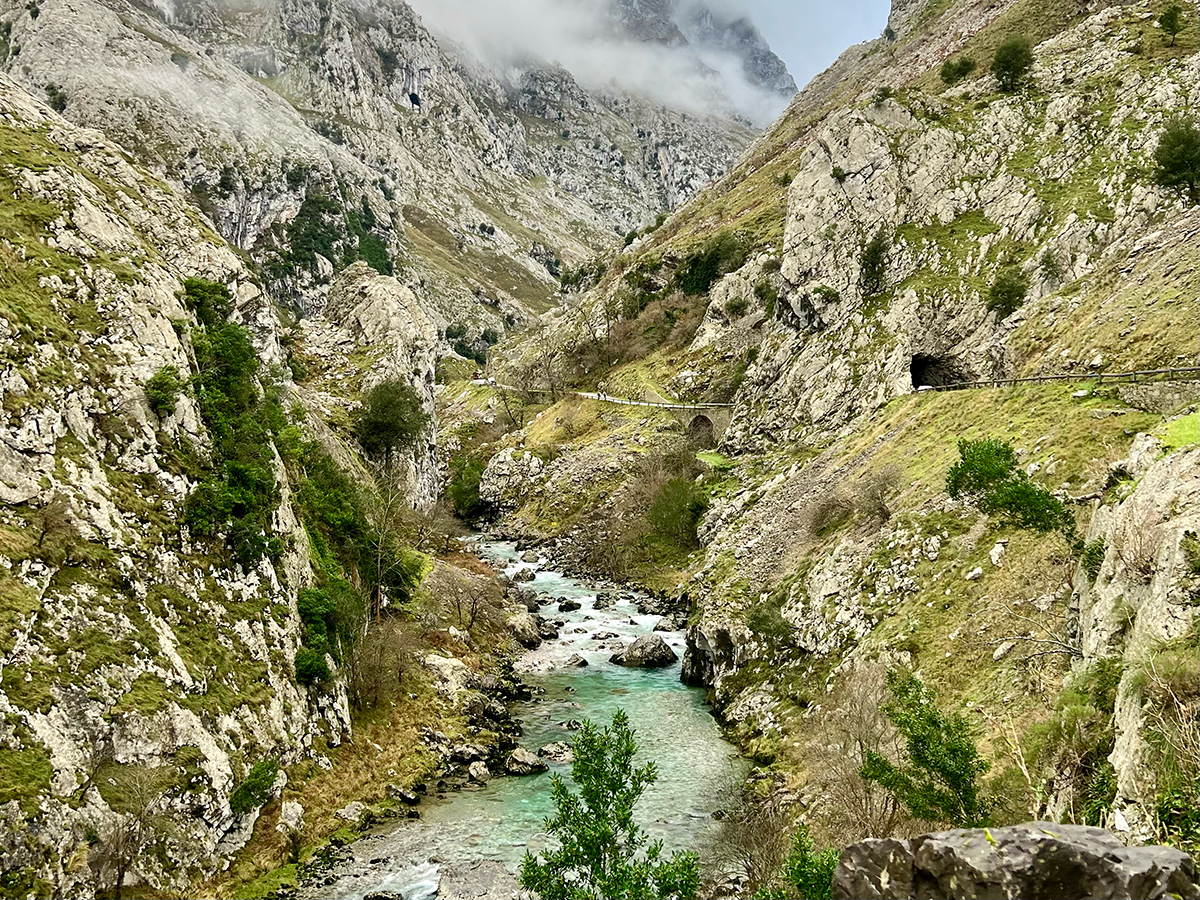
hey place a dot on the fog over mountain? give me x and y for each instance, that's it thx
(701, 56)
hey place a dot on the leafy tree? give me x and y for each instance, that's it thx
(807, 872)
(163, 389)
(1007, 292)
(724, 253)
(676, 511)
(873, 264)
(604, 855)
(939, 779)
(463, 488)
(1177, 157)
(391, 419)
(311, 667)
(1012, 62)
(1171, 21)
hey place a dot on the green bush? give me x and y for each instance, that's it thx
(1091, 557)
(256, 788)
(838, 174)
(331, 616)
(724, 253)
(311, 668)
(1050, 266)
(676, 510)
(767, 294)
(391, 419)
(163, 389)
(807, 872)
(1177, 157)
(873, 264)
(1007, 292)
(462, 488)
(1012, 62)
(239, 497)
(986, 476)
(938, 780)
(601, 850)
(736, 307)
(955, 70)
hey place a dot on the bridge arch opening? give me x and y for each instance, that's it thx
(935, 371)
(702, 431)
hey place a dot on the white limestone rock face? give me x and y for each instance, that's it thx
(952, 194)
(509, 477)
(130, 654)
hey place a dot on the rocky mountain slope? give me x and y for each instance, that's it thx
(181, 547)
(826, 548)
(316, 134)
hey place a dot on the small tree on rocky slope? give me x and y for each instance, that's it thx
(603, 852)
(1012, 62)
(1177, 158)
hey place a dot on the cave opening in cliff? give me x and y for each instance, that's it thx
(935, 371)
(415, 100)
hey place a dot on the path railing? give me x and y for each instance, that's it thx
(1191, 372)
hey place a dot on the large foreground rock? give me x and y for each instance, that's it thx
(1034, 861)
(523, 626)
(522, 762)
(647, 652)
(477, 880)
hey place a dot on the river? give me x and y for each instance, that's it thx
(696, 766)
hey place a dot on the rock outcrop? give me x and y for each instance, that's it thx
(1039, 859)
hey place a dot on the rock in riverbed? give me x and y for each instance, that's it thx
(647, 652)
(557, 751)
(522, 762)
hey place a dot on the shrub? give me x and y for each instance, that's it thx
(55, 96)
(1007, 292)
(602, 852)
(1177, 158)
(873, 264)
(882, 95)
(1171, 21)
(767, 294)
(1050, 266)
(631, 237)
(163, 389)
(736, 307)
(838, 174)
(955, 70)
(456, 332)
(391, 419)
(256, 788)
(724, 253)
(1012, 62)
(1091, 557)
(987, 477)
(826, 293)
(807, 870)
(462, 488)
(939, 779)
(311, 668)
(676, 511)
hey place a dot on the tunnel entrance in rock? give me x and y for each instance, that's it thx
(935, 371)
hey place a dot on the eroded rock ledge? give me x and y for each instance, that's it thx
(1036, 860)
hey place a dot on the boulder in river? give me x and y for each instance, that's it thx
(575, 661)
(647, 652)
(524, 575)
(522, 762)
(404, 795)
(569, 605)
(557, 751)
(479, 771)
(604, 600)
(523, 626)
(547, 630)
(1037, 859)
(478, 880)
(529, 556)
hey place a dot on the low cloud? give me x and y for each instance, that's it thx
(586, 42)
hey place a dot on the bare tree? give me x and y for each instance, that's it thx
(378, 661)
(140, 822)
(755, 836)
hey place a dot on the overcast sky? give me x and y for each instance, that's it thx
(808, 35)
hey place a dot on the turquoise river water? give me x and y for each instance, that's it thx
(502, 820)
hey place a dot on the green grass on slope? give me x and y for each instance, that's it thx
(1182, 432)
